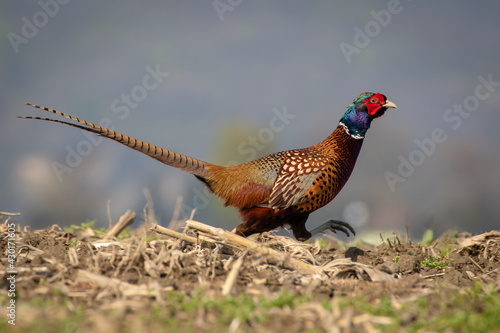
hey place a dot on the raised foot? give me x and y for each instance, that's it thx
(334, 225)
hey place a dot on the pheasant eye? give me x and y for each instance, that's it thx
(373, 100)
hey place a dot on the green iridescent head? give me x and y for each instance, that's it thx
(359, 115)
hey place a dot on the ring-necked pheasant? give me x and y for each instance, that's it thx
(279, 189)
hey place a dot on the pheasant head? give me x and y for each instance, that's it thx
(359, 115)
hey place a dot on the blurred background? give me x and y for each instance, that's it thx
(228, 81)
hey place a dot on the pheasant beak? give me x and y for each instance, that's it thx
(389, 104)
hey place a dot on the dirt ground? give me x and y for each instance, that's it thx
(83, 280)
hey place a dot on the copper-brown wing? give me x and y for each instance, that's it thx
(295, 178)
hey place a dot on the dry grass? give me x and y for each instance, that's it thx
(209, 279)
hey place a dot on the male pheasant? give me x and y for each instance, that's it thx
(279, 189)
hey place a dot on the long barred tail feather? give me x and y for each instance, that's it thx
(176, 160)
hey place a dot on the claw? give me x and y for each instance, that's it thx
(334, 226)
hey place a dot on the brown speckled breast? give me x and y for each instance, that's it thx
(340, 152)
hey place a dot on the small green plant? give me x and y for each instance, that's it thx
(85, 225)
(101, 231)
(436, 261)
(125, 233)
(75, 229)
(321, 243)
(88, 225)
(72, 244)
(148, 239)
(427, 237)
(396, 258)
(71, 229)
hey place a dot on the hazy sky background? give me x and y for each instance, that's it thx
(232, 66)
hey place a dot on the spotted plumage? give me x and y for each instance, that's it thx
(279, 189)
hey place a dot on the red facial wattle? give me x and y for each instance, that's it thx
(373, 108)
(374, 104)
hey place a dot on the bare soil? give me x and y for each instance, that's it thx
(80, 281)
